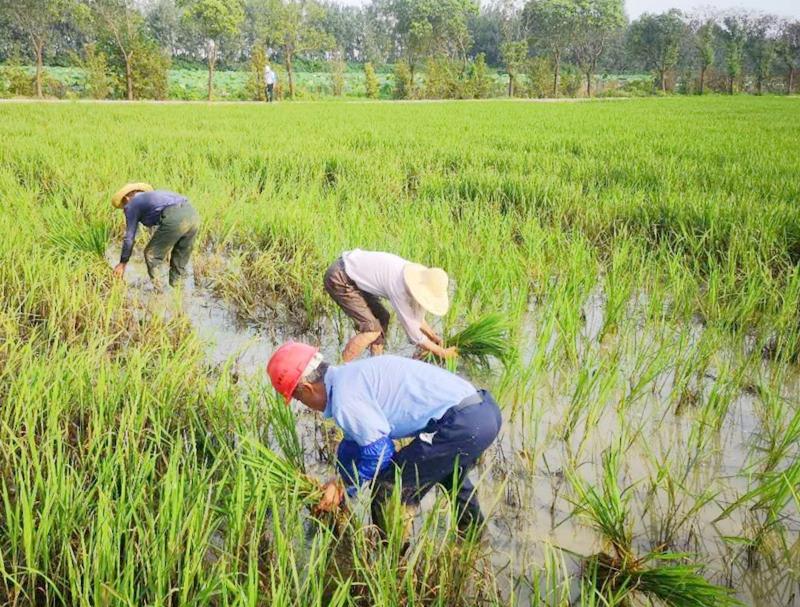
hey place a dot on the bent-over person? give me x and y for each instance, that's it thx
(377, 400)
(176, 224)
(357, 282)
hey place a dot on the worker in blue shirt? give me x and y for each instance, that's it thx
(176, 224)
(379, 399)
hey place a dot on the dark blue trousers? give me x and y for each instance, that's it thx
(459, 438)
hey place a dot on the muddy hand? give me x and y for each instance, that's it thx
(332, 496)
(451, 352)
(119, 270)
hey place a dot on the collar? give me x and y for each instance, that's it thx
(330, 381)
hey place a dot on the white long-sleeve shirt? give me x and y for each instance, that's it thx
(381, 274)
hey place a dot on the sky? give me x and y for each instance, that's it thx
(784, 8)
(634, 8)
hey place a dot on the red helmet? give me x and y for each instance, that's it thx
(287, 364)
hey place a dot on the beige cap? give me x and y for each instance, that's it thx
(428, 286)
(116, 199)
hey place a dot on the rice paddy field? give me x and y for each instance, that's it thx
(643, 253)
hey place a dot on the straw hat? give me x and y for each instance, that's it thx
(116, 199)
(428, 286)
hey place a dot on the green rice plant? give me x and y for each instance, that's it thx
(283, 426)
(670, 501)
(679, 585)
(606, 509)
(623, 572)
(485, 339)
(72, 233)
(279, 471)
(781, 429)
(774, 491)
(550, 585)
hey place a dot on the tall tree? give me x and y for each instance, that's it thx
(761, 46)
(595, 24)
(550, 25)
(36, 20)
(432, 27)
(485, 29)
(514, 49)
(656, 40)
(704, 41)
(789, 51)
(514, 53)
(168, 29)
(215, 20)
(295, 26)
(733, 32)
(347, 25)
(121, 22)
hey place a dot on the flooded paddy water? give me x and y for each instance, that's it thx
(680, 473)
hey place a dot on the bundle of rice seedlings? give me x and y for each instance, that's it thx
(281, 472)
(681, 586)
(483, 340)
(674, 585)
(283, 426)
(655, 575)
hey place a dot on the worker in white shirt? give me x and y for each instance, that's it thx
(270, 78)
(358, 280)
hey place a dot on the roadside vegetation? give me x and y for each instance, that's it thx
(388, 49)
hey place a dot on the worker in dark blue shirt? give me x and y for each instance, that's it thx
(176, 224)
(379, 399)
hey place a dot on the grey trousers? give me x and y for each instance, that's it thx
(174, 237)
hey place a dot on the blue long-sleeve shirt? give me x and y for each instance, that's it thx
(145, 208)
(382, 398)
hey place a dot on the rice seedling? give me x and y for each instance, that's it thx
(658, 574)
(483, 340)
(283, 426)
(280, 472)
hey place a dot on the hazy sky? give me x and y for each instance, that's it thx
(634, 8)
(785, 8)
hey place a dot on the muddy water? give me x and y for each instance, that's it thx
(521, 480)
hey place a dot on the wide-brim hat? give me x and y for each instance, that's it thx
(116, 199)
(428, 287)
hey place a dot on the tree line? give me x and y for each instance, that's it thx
(435, 48)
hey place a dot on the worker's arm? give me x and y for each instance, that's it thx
(131, 226)
(426, 345)
(367, 448)
(430, 333)
(356, 465)
(419, 332)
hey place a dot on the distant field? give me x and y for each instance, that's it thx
(645, 254)
(186, 84)
(191, 84)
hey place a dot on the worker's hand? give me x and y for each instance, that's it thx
(332, 496)
(450, 352)
(119, 270)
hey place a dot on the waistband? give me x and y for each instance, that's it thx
(472, 399)
(177, 205)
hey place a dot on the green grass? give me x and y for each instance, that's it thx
(643, 253)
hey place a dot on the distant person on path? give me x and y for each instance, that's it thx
(377, 400)
(270, 78)
(359, 279)
(176, 224)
